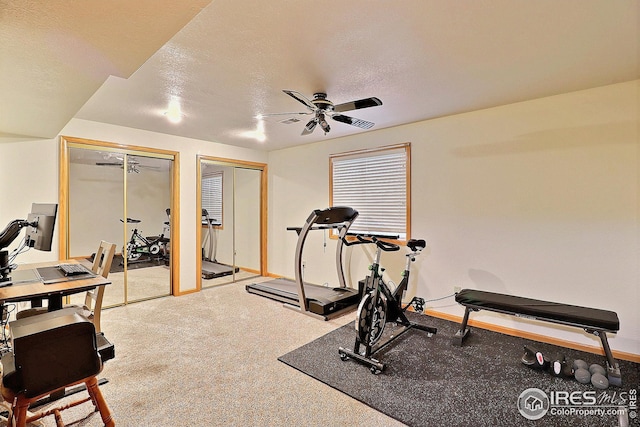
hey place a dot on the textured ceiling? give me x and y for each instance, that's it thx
(54, 55)
(423, 59)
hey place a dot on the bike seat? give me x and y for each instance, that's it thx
(416, 244)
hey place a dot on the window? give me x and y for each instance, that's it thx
(376, 183)
(212, 196)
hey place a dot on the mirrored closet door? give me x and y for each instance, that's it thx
(122, 196)
(147, 252)
(232, 225)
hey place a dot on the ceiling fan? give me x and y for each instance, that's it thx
(133, 164)
(321, 108)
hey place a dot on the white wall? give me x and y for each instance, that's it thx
(29, 172)
(536, 199)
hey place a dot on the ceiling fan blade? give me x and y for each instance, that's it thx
(352, 121)
(357, 105)
(309, 127)
(300, 98)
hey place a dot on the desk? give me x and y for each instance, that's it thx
(28, 286)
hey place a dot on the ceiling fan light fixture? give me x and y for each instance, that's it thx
(311, 124)
(322, 121)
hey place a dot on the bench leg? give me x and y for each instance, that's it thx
(462, 333)
(613, 368)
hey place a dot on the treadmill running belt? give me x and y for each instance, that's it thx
(322, 300)
(212, 270)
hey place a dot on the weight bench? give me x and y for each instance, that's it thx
(592, 320)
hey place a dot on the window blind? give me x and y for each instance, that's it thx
(375, 184)
(212, 195)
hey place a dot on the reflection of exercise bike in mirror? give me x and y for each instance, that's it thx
(380, 305)
(139, 245)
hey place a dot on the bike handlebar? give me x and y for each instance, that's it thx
(416, 245)
(385, 246)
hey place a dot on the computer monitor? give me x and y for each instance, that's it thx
(41, 221)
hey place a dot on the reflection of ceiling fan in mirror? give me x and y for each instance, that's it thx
(133, 164)
(321, 108)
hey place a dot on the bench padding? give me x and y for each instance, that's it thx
(572, 315)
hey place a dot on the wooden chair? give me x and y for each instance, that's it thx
(92, 306)
(51, 351)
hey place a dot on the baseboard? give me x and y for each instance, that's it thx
(187, 292)
(534, 337)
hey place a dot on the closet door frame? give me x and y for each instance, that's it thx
(262, 167)
(68, 142)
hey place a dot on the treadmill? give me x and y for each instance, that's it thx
(315, 300)
(212, 269)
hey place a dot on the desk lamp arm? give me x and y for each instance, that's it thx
(11, 232)
(7, 236)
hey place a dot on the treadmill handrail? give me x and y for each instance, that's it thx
(346, 218)
(317, 227)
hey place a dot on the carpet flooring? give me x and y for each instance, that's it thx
(430, 382)
(210, 358)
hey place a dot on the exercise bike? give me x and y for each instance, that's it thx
(139, 245)
(380, 305)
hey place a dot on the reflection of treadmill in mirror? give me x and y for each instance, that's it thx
(211, 268)
(323, 302)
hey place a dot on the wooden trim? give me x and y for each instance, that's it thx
(198, 219)
(263, 221)
(63, 200)
(408, 190)
(174, 238)
(67, 142)
(263, 168)
(121, 148)
(125, 207)
(232, 162)
(249, 270)
(371, 150)
(331, 234)
(534, 337)
(187, 292)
